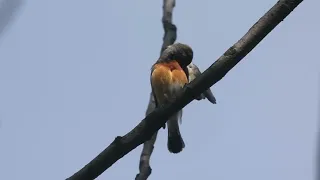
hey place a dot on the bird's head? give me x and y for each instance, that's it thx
(182, 53)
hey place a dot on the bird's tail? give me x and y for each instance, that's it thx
(175, 141)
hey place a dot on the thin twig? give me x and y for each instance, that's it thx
(155, 120)
(170, 35)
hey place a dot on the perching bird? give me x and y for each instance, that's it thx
(168, 77)
(169, 74)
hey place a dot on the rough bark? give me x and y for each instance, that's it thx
(122, 145)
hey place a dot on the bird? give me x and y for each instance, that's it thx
(168, 77)
(171, 72)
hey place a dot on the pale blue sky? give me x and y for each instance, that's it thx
(75, 74)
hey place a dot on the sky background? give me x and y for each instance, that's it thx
(75, 74)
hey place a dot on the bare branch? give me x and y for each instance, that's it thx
(170, 35)
(8, 10)
(155, 120)
(170, 30)
(148, 146)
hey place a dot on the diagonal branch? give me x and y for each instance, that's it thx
(155, 120)
(170, 35)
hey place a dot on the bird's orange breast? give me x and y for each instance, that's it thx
(165, 76)
(168, 73)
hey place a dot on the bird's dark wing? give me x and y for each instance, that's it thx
(151, 104)
(154, 94)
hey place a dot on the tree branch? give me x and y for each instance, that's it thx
(155, 120)
(170, 30)
(148, 146)
(170, 35)
(8, 10)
